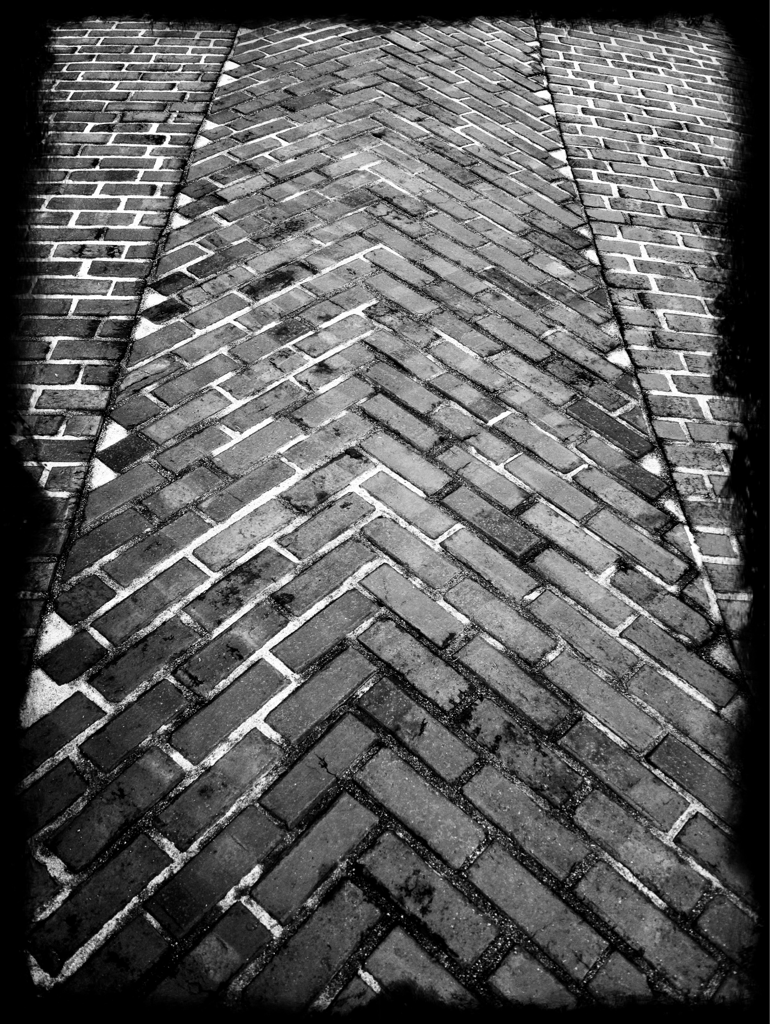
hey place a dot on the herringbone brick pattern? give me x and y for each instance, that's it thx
(386, 656)
(653, 146)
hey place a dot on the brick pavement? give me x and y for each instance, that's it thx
(380, 652)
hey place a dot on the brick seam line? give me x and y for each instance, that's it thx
(76, 520)
(676, 501)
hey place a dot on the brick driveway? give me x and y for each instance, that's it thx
(391, 638)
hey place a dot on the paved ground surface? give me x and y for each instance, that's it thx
(391, 637)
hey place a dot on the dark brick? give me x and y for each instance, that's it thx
(728, 927)
(627, 777)
(209, 797)
(698, 777)
(329, 841)
(123, 733)
(427, 673)
(52, 794)
(184, 899)
(611, 428)
(324, 576)
(433, 568)
(72, 658)
(120, 963)
(318, 697)
(548, 921)
(403, 598)
(314, 953)
(422, 808)
(400, 961)
(326, 525)
(320, 633)
(238, 587)
(422, 892)
(92, 904)
(53, 731)
(83, 599)
(128, 671)
(299, 789)
(520, 979)
(644, 926)
(498, 619)
(500, 528)
(241, 699)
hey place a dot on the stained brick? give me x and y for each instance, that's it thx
(547, 920)
(627, 777)
(123, 733)
(521, 979)
(228, 595)
(497, 526)
(53, 793)
(400, 961)
(320, 633)
(142, 660)
(326, 525)
(421, 807)
(51, 732)
(522, 752)
(317, 853)
(405, 462)
(329, 572)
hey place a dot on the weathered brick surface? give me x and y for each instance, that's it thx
(650, 124)
(122, 104)
(381, 636)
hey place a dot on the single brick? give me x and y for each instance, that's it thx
(313, 490)
(142, 557)
(493, 484)
(408, 505)
(401, 422)
(664, 606)
(309, 861)
(627, 777)
(494, 567)
(421, 891)
(51, 794)
(123, 733)
(551, 486)
(400, 963)
(241, 585)
(326, 525)
(83, 599)
(643, 925)
(611, 428)
(697, 776)
(521, 979)
(498, 619)
(229, 500)
(303, 785)
(517, 814)
(404, 388)
(618, 983)
(314, 953)
(522, 752)
(320, 633)
(709, 845)
(510, 682)
(134, 483)
(432, 567)
(208, 798)
(403, 598)
(543, 445)
(318, 697)
(184, 899)
(235, 540)
(574, 539)
(241, 699)
(498, 527)
(54, 940)
(575, 582)
(72, 658)
(426, 672)
(728, 927)
(651, 860)
(417, 730)
(104, 539)
(405, 462)
(657, 643)
(332, 402)
(544, 917)
(123, 800)
(50, 733)
(629, 472)
(621, 498)
(226, 652)
(705, 727)
(235, 939)
(329, 572)
(422, 808)
(143, 659)
(118, 965)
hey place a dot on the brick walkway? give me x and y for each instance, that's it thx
(381, 649)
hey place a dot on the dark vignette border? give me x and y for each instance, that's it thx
(741, 371)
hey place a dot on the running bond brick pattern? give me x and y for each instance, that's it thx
(379, 654)
(650, 124)
(123, 103)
